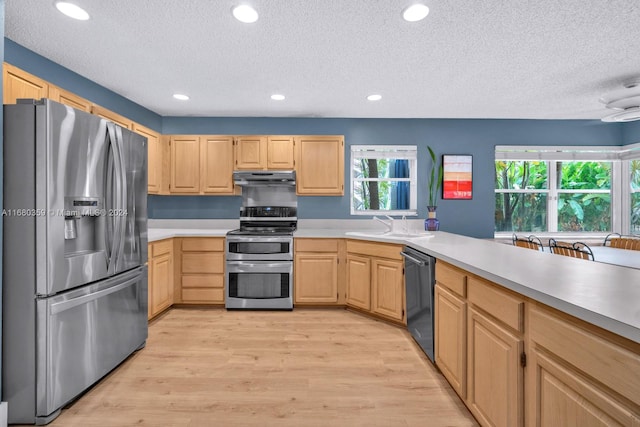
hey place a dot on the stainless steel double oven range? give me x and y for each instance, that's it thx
(259, 255)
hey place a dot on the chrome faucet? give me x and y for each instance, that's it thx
(389, 224)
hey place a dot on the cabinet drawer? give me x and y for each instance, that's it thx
(161, 247)
(452, 278)
(203, 295)
(203, 281)
(212, 262)
(316, 245)
(381, 250)
(203, 244)
(499, 304)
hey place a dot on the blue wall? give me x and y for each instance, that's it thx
(445, 136)
(40, 66)
(631, 133)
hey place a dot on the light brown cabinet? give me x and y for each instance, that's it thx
(67, 98)
(155, 158)
(450, 337)
(201, 164)
(19, 84)
(495, 385)
(160, 284)
(110, 115)
(359, 281)
(202, 270)
(375, 279)
(185, 164)
(316, 272)
(320, 165)
(580, 375)
(216, 164)
(259, 152)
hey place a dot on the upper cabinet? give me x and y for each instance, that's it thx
(320, 165)
(155, 158)
(216, 164)
(251, 152)
(67, 98)
(110, 115)
(201, 164)
(20, 84)
(280, 152)
(256, 152)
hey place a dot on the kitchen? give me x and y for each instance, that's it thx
(477, 137)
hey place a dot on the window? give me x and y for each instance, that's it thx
(634, 188)
(383, 180)
(567, 189)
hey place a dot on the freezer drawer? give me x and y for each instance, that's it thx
(85, 333)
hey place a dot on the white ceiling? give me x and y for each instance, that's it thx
(544, 59)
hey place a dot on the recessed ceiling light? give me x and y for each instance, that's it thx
(374, 97)
(416, 12)
(277, 97)
(72, 10)
(181, 96)
(245, 13)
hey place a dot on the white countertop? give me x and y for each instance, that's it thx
(602, 294)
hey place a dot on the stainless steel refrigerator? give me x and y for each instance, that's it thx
(74, 254)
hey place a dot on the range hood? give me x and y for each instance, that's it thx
(262, 178)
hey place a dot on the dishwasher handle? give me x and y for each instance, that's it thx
(413, 259)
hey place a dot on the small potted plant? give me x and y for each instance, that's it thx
(435, 181)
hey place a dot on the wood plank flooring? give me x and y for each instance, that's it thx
(308, 367)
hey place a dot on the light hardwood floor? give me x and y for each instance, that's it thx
(308, 367)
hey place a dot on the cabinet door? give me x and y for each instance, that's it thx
(67, 98)
(451, 338)
(387, 287)
(185, 164)
(162, 285)
(316, 278)
(320, 165)
(251, 152)
(495, 392)
(154, 158)
(18, 84)
(359, 281)
(216, 156)
(280, 152)
(561, 396)
(110, 115)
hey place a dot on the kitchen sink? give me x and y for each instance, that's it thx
(390, 234)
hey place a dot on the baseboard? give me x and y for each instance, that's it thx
(3, 414)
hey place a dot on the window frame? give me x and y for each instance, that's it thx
(620, 190)
(402, 152)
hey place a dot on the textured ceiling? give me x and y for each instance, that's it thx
(546, 59)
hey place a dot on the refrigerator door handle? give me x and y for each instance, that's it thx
(69, 304)
(122, 177)
(111, 218)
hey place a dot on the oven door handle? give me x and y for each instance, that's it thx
(259, 240)
(259, 267)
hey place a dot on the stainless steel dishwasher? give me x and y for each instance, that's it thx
(420, 282)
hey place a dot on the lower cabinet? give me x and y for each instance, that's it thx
(375, 279)
(495, 386)
(572, 374)
(579, 375)
(451, 338)
(160, 284)
(202, 270)
(316, 272)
